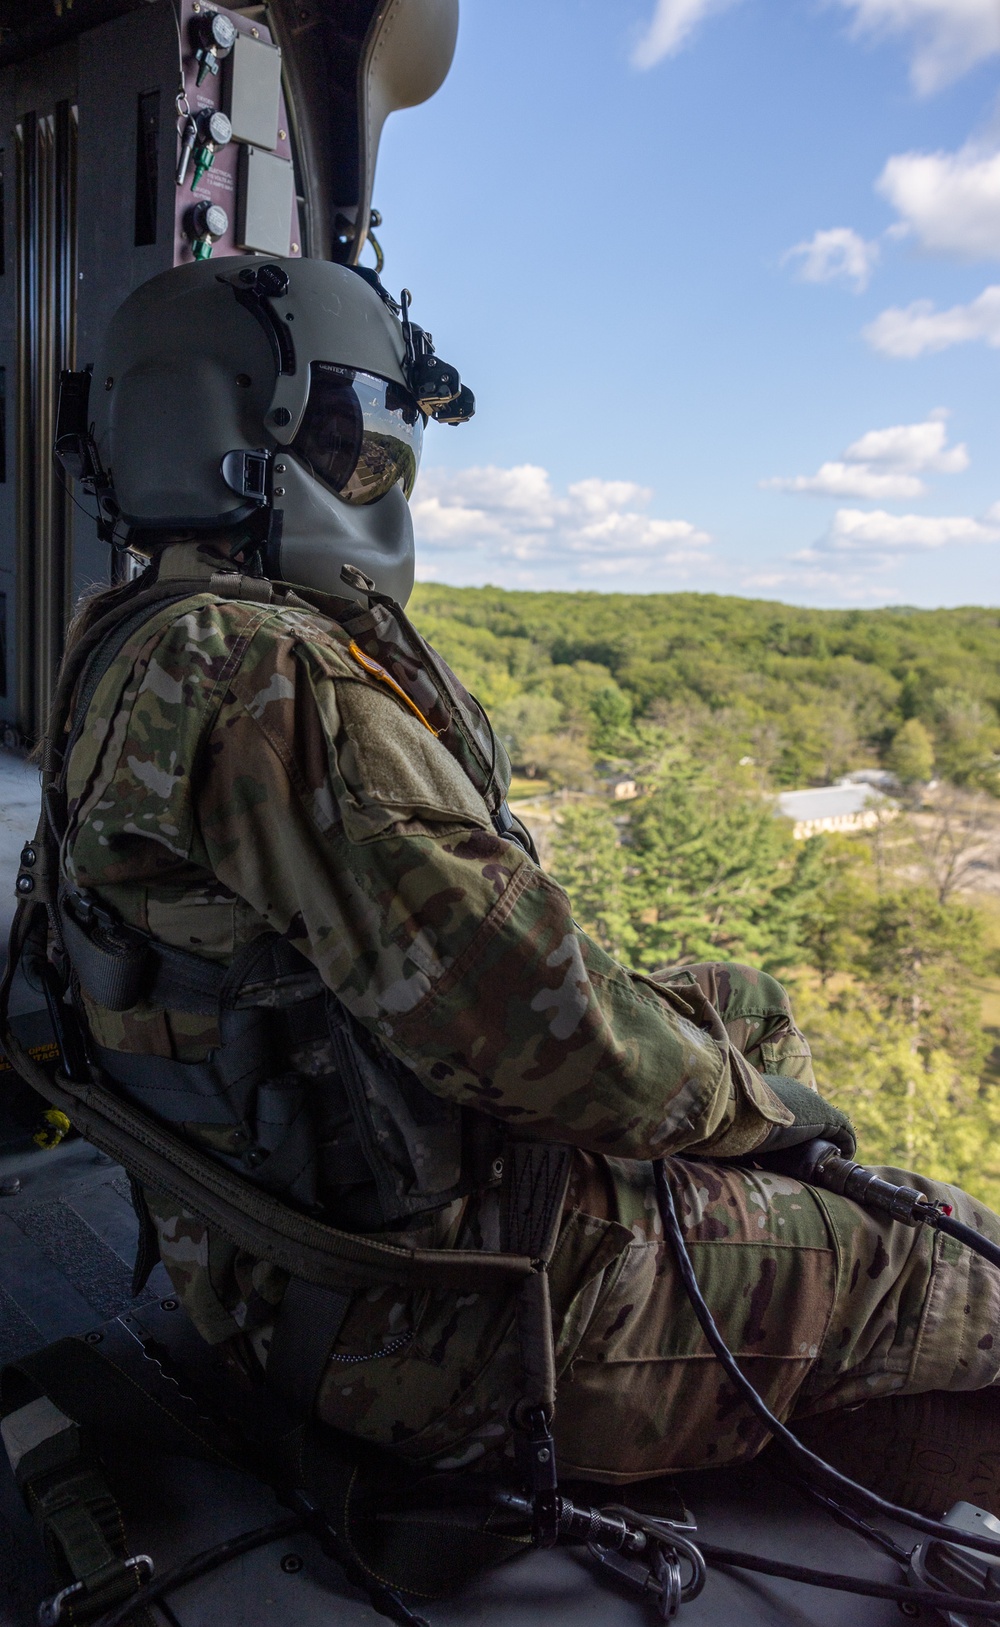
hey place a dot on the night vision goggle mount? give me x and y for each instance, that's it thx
(436, 385)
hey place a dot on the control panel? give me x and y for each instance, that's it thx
(235, 182)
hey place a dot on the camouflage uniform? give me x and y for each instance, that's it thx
(242, 771)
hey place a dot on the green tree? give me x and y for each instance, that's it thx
(911, 753)
(968, 740)
(591, 865)
(699, 869)
(521, 721)
(922, 957)
(911, 1108)
(611, 711)
(835, 924)
(897, 1036)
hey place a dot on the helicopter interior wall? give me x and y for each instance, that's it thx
(69, 128)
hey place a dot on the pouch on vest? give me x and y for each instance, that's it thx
(423, 1151)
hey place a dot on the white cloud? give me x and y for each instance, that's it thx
(851, 480)
(912, 446)
(884, 465)
(912, 330)
(509, 526)
(948, 36)
(875, 531)
(672, 24)
(837, 252)
(949, 201)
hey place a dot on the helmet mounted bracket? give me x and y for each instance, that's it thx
(248, 474)
(439, 391)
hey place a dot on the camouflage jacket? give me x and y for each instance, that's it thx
(240, 770)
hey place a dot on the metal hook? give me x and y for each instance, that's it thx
(375, 219)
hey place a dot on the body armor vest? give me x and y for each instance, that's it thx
(299, 1098)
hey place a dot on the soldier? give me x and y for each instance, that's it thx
(308, 935)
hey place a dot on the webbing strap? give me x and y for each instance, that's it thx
(110, 964)
(75, 1511)
(118, 965)
(307, 1325)
(187, 1092)
(536, 1175)
(535, 1178)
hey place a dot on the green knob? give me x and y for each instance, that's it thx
(209, 222)
(216, 132)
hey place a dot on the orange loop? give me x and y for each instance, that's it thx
(376, 670)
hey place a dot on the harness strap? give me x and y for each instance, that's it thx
(306, 1328)
(536, 1175)
(186, 1092)
(119, 965)
(76, 1514)
(82, 1528)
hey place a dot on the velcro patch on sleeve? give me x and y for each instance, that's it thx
(394, 769)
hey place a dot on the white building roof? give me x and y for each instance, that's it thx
(827, 802)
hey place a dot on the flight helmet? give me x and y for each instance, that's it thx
(286, 397)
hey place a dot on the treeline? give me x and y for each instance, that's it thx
(807, 694)
(710, 702)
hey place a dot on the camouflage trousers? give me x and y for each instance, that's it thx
(824, 1303)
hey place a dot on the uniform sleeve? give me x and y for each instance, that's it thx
(342, 820)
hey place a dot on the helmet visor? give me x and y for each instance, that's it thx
(359, 434)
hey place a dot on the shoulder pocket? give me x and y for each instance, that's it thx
(395, 769)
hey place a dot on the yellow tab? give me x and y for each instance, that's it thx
(53, 1127)
(376, 670)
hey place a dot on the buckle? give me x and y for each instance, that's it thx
(79, 906)
(50, 1611)
(85, 910)
(247, 474)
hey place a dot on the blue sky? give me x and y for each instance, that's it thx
(724, 280)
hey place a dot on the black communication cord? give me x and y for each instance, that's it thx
(854, 1522)
(977, 1609)
(965, 1234)
(210, 1559)
(812, 1465)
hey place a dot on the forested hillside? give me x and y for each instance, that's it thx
(889, 940)
(807, 693)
